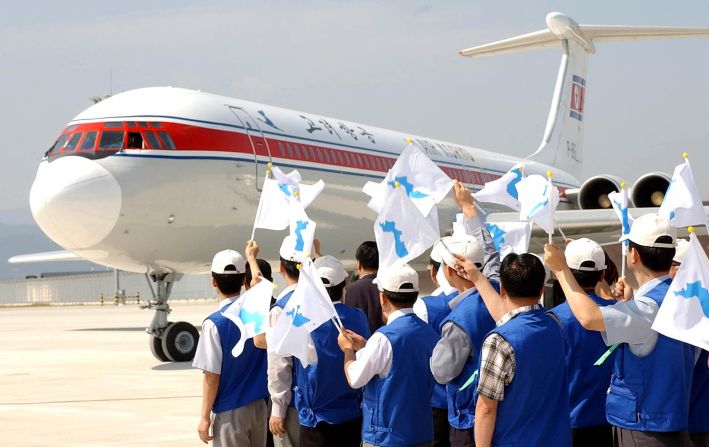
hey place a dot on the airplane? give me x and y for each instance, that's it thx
(157, 180)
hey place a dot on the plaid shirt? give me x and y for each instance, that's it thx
(497, 359)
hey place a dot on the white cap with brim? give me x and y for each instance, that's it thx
(682, 246)
(648, 228)
(330, 270)
(228, 262)
(394, 278)
(466, 246)
(585, 250)
(437, 252)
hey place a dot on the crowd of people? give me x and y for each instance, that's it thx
(480, 361)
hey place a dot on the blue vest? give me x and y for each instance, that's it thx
(396, 410)
(587, 383)
(699, 403)
(243, 378)
(474, 318)
(438, 308)
(535, 410)
(651, 393)
(322, 392)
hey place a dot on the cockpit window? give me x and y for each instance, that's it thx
(113, 124)
(166, 140)
(73, 141)
(142, 124)
(89, 141)
(135, 141)
(60, 143)
(155, 124)
(130, 123)
(111, 140)
(152, 140)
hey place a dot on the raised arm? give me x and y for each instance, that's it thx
(491, 298)
(251, 252)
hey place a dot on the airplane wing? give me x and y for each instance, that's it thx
(47, 256)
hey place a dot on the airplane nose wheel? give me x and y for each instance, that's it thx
(179, 341)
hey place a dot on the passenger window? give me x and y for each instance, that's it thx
(297, 151)
(342, 159)
(166, 140)
(305, 152)
(152, 140)
(327, 156)
(290, 150)
(112, 124)
(71, 144)
(89, 141)
(319, 152)
(111, 140)
(347, 159)
(135, 141)
(312, 153)
(280, 148)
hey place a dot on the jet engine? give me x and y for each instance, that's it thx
(593, 193)
(649, 190)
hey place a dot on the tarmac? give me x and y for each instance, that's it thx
(84, 376)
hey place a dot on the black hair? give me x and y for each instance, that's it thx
(522, 276)
(657, 259)
(434, 265)
(229, 284)
(611, 275)
(265, 268)
(402, 299)
(334, 292)
(368, 255)
(587, 279)
(291, 268)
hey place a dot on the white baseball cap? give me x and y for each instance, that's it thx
(226, 258)
(585, 250)
(648, 228)
(438, 249)
(393, 278)
(681, 250)
(466, 246)
(331, 270)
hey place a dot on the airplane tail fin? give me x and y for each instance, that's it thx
(562, 144)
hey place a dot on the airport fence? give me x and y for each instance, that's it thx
(96, 288)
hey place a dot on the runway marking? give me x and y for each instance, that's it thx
(126, 399)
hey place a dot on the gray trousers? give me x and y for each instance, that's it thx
(243, 427)
(292, 436)
(633, 438)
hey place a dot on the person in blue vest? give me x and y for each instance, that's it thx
(234, 388)
(699, 397)
(455, 357)
(392, 366)
(522, 390)
(329, 409)
(432, 309)
(649, 395)
(587, 382)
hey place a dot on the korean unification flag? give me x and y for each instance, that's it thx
(682, 205)
(273, 212)
(684, 313)
(503, 191)
(424, 182)
(538, 199)
(510, 237)
(250, 313)
(401, 232)
(302, 232)
(619, 201)
(308, 308)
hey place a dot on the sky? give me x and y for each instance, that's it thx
(388, 64)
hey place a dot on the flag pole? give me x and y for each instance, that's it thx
(624, 248)
(551, 185)
(258, 208)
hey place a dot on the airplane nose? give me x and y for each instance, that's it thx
(75, 201)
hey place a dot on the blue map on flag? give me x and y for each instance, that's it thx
(299, 227)
(512, 186)
(286, 189)
(498, 235)
(298, 318)
(256, 318)
(390, 227)
(695, 290)
(540, 204)
(404, 181)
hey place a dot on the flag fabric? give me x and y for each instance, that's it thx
(401, 232)
(619, 201)
(684, 313)
(308, 308)
(538, 199)
(277, 195)
(510, 237)
(302, 231)
(424, 182)
(250, 313)
(503, 191)
(682, 204)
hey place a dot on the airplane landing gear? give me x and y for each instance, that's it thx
(169, 342)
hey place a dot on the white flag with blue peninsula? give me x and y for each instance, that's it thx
(503, 191)
(302, 232)
(510, 237)
(278, 193)
(538, 199)
(684, 313)
(400, 230)
(682, 204)
(250, 313)
(308, 307)
(424, 182)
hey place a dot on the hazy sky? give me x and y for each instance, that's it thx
(390, 64)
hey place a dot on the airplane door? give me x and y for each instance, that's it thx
(257, 140)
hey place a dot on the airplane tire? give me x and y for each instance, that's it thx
(156, 349)
(179, 341)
